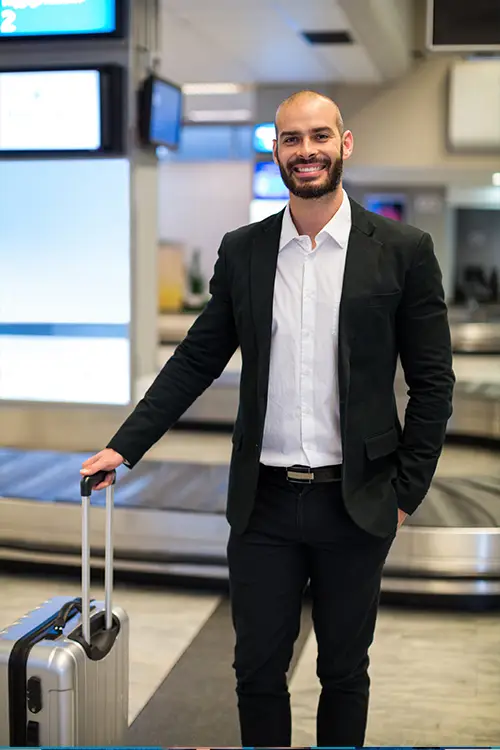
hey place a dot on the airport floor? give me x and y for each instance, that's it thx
(435, 673)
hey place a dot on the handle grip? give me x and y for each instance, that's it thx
(66, 613)
(87, 484)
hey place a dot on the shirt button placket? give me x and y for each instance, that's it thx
(307, 352)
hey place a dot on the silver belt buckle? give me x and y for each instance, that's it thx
(305, 477)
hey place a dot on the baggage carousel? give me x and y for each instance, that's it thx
(170, 514)
(170, 518)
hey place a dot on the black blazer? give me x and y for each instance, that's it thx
(392, 304)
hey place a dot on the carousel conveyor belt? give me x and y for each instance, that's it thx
(476, 338)
(170, 518)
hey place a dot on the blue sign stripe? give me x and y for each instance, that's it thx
(87, 16)
(71, 330)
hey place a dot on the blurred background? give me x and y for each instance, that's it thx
(133, 136)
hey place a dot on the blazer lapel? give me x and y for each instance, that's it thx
(363, 255)
(264, 259)
(361, 268)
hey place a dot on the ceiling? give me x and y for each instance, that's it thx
(260, 42)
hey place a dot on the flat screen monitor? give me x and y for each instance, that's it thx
(55, 19)
(64, 111)
(463, 25)
(160, 113)
(391, 206)
(267, 182)
(263, 137)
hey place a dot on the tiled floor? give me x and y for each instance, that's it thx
(435, 676)
(435, 681)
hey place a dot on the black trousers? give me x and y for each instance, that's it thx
(300, 534)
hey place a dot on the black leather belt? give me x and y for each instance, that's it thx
(306, 474)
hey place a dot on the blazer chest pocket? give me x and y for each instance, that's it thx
(382, 445)
(370, 320)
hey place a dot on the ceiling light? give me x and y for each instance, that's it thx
(220, 115)
(496, 179)
(211, 88)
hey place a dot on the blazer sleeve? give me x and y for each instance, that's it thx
(198, 360)
(424, 344)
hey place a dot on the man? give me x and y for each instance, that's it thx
(321, 298)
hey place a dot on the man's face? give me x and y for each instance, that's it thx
(309, 148)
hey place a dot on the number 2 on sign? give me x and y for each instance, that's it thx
(8, 25)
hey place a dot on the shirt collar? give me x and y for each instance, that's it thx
(339, 226)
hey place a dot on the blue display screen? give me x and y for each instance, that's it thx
(391, 208)
(166, 112)
(267, 181)
(263, 138)
(39, 18)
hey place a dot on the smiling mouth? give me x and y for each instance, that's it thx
(309, 169)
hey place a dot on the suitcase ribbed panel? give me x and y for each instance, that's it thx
(103, 714)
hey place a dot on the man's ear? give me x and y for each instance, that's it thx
(275, 151)
(348, 143)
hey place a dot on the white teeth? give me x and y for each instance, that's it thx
(309, 169)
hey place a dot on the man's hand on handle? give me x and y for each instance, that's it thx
(106, 460)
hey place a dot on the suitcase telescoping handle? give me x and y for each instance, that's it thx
(87, 484)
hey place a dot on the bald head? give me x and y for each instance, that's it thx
(313, 102)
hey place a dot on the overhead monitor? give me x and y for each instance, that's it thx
(55, 19)
(61, 111)
(386, 204)
(160, 113)
(463, 25)
(267, 182)
(264, 135)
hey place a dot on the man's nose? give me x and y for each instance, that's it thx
(307, 149)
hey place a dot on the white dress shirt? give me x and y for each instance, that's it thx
(302, 423)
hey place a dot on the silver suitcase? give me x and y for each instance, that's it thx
(64, 667)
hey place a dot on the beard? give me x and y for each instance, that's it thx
(329, 184)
